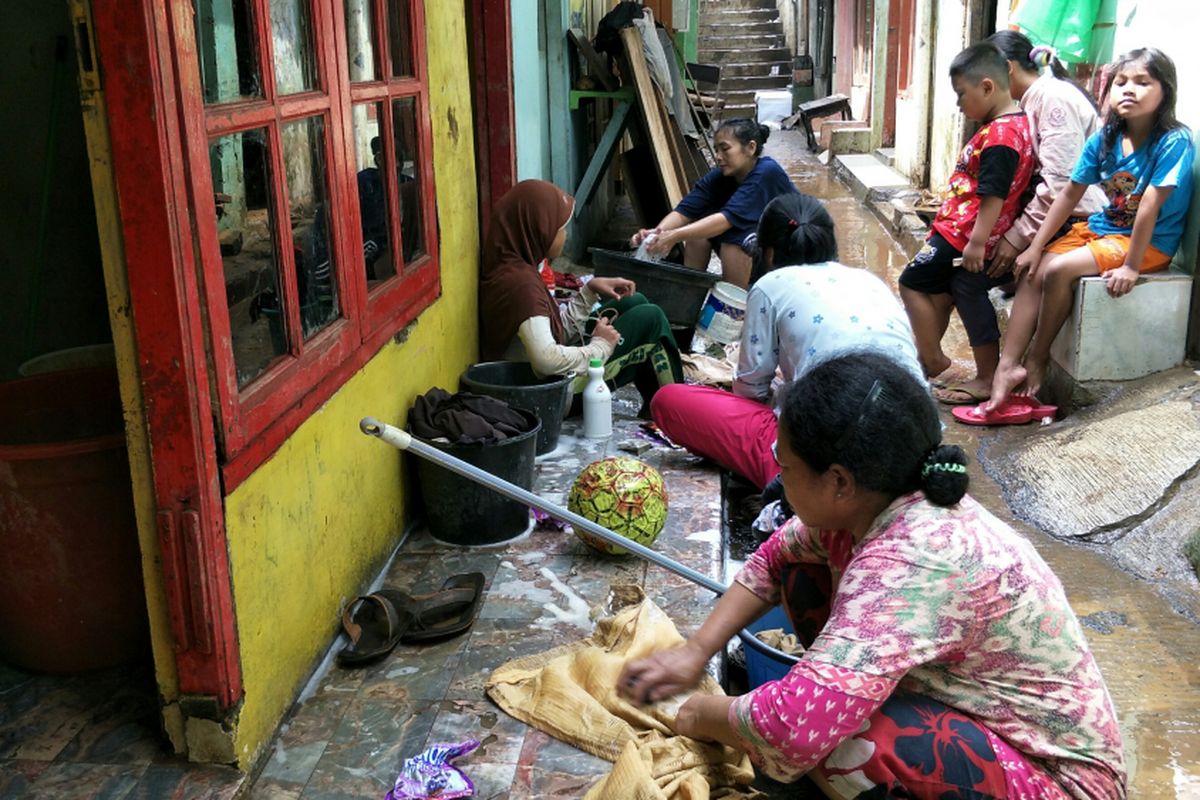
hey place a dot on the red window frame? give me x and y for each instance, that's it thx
(255, 419)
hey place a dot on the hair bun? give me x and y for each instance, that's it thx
(764, 132)
(944, 476)
(1042, 55)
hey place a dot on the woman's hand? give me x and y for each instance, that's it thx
(1027, 262)
(662, 243)
(1120, 281)
(1002, 258)
(604, 330)
(972, 257)
(638, 237)
(615, 288)
(661, 675)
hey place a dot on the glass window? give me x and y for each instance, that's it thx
(360, 40)
(400, 37)
(370, 158)
(226, 52)
(308, 209)
(408, 177)
(241, 181)
(292, 40)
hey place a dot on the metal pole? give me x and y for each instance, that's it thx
(406, 441)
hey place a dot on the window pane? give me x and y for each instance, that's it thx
(241, 179)
(400, 37)
(370, 157)
(292, 37)
(360, 40)
(308, 204)
(408, 177)
(225, 49)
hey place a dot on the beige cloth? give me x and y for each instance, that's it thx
(570, 693)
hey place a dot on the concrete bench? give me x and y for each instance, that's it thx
(1118, 339)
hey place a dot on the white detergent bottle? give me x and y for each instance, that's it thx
(597, 403)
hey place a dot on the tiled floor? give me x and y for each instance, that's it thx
(94, 735)
(349, 739)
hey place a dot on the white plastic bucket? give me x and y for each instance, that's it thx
(723, 312)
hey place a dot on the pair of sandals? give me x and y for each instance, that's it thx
(379, 621)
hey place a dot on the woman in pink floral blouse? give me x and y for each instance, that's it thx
(946, 661)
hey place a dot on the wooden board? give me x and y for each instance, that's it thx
(597, 66)
(657, 122)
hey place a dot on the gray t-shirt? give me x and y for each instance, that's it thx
(797, 317)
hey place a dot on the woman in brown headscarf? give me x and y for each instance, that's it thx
(521, 321)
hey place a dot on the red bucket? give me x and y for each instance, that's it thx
(71, 587)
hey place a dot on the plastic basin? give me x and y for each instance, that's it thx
(763, 662)
(678, 291)
(459, 510)
(514, 383)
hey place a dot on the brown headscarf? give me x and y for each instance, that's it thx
(524, 224)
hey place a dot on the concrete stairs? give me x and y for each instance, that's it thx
(745, 38)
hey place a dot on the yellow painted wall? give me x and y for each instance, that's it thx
(314, 523)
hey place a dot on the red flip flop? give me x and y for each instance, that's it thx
(1015, 410)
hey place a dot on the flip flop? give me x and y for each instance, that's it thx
(968, 396)
(441, 614)
(375, 626)
(1015, 410)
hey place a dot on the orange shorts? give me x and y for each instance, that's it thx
(1108, 250)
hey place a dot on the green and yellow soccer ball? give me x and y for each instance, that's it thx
(623, 495)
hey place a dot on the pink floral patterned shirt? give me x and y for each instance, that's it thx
(950, 603)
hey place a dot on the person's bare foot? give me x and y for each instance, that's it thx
(1035, 373)
(936, 366)
(969, 392)
(1008, 379)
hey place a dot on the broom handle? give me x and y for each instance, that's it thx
(406, 441)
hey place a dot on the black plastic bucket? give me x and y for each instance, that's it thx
(461, 511)
(514, 383)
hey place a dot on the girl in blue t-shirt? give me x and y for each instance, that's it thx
(1142, 158)
(724, 207)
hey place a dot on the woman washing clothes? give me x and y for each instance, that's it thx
(942, 660)
(803, 307)
(608, 319)
(724, 207)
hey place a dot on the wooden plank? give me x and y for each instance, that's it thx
(653, 113)
(604, 153)
(597, 66)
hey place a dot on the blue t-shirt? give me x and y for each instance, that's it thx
(741, 203)
(1165, 161)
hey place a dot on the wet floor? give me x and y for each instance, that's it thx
(348, 736)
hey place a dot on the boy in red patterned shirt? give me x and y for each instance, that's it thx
(984, 198)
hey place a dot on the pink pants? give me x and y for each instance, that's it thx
(733, 431)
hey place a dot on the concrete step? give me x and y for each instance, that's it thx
(886, 156)
(708, 6)
(867, 178)
(723, 28)
(735, 17)
(732, 86)
(757, 41)
(759, 68)
(723, 55)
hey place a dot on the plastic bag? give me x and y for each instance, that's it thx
(1065, 26)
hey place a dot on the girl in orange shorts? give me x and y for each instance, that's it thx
(1142, 158)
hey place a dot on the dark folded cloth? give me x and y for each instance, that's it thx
(464, 418)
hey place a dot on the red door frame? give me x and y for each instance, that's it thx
(492, 92)
(149, 168)
(891, 80)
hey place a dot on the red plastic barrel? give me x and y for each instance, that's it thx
(71, 589)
